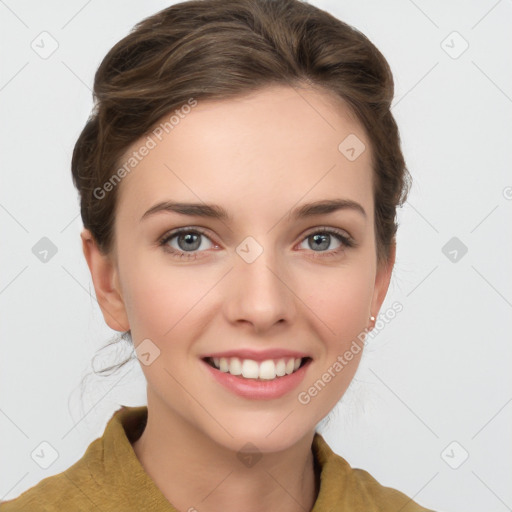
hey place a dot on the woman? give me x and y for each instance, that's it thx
(239, 179)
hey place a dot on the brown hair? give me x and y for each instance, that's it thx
(218, 49)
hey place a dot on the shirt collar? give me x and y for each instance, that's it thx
(128, 423)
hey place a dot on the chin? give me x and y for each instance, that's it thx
(267, 436)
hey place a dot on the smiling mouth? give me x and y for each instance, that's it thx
(269, 369)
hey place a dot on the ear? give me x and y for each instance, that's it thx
(382, 280)
(106, 283)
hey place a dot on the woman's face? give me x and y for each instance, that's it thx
(262, 278)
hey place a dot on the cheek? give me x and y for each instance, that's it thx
(341, 300)
(341, 304)
(161, 299)
(348, 308)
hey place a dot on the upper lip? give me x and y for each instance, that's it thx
(258, 355)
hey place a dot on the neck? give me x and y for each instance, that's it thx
(194, 472)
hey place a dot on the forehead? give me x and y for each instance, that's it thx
(276, 144)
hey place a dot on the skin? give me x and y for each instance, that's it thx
(258, 156)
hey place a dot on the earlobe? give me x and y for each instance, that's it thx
(382, 280)
(106, 283)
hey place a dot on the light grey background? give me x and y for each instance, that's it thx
(438, 373)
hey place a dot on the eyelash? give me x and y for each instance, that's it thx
(346, 241)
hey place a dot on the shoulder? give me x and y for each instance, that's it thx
(58, 492)
(381, 497)
(89, 483)
(342, 486)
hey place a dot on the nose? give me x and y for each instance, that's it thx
(260, 293)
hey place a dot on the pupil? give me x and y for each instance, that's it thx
(323, 241)
(192, 241)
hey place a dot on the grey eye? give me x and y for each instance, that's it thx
(188, 241)
(321, 241)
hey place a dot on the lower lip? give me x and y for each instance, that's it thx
(256, 389)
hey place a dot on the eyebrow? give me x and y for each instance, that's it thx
(214, 211)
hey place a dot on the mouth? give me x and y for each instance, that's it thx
(266, 370)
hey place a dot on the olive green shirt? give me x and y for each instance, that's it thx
(110, 478)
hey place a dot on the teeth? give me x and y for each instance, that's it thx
(235, 366)
(250, 369)
(281, 368)
(224, 365)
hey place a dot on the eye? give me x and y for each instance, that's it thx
(185, 243)
(188, 243)
(323, 239)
